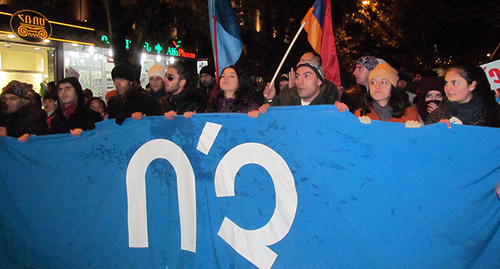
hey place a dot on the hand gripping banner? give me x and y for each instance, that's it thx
(298, 187)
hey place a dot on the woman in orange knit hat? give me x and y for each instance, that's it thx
(384, 101)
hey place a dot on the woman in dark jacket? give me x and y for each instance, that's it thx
(72, 114)
(470, 100)
(236, 93)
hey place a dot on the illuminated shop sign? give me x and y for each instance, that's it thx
(176, 50)
(30, 26)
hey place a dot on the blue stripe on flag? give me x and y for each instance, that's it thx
(319, 11)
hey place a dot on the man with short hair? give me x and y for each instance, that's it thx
(19, 120)
(179, 98)
(352, 96)
(129, 101)
(156, 74)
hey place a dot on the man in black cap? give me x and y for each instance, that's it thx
(129, 101)
(208, 87)
(19, 120)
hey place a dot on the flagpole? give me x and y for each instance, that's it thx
(494, 52)
(288, 51)
(216, 53)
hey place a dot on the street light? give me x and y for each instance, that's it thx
(365, 2)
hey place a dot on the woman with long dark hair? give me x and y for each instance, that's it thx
(235, 92)
(470, 100)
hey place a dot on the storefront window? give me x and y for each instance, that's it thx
(28, 63)
(92, 65)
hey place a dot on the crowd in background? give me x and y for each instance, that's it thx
(460, 95)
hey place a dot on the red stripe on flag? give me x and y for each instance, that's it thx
(328, 49)
(323, 41)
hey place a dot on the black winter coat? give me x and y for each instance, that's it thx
(182, 102)
(122, 108)
(83, 118)
(25, 121)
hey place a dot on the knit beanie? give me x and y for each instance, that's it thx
(208, 70)
(369, 62)
(16, 88)
(384, 70)
(313, 66)
(431, 84)
(156, 70)
(123, 71)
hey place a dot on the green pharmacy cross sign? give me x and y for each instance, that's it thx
(176, 50)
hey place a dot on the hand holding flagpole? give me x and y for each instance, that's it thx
(288, 51)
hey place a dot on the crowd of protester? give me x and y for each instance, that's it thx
(461, 95)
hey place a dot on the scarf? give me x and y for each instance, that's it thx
(383, 112)
(466, 111)
(68, 110)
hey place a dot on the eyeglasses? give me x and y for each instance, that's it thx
(170, 77)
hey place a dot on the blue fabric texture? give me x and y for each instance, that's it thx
(369, 196)
(229, 44)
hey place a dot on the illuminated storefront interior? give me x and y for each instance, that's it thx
(29, 63)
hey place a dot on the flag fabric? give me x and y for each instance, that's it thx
(320, 35)
(226, 39)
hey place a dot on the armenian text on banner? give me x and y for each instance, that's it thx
(298, 187)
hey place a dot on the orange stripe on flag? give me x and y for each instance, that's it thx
(313, 29)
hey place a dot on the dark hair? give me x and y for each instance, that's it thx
(88, 93)
(473, 73)
(100, 101)
(181, 71)
(316, 56)
(50, 95)
(243, 96)
(398, 101)
(34, 99)
(79, 92)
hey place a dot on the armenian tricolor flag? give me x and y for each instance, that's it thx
(320, 35)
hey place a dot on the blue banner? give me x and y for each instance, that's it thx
(298, 187)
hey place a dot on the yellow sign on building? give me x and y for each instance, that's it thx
(30, 26)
